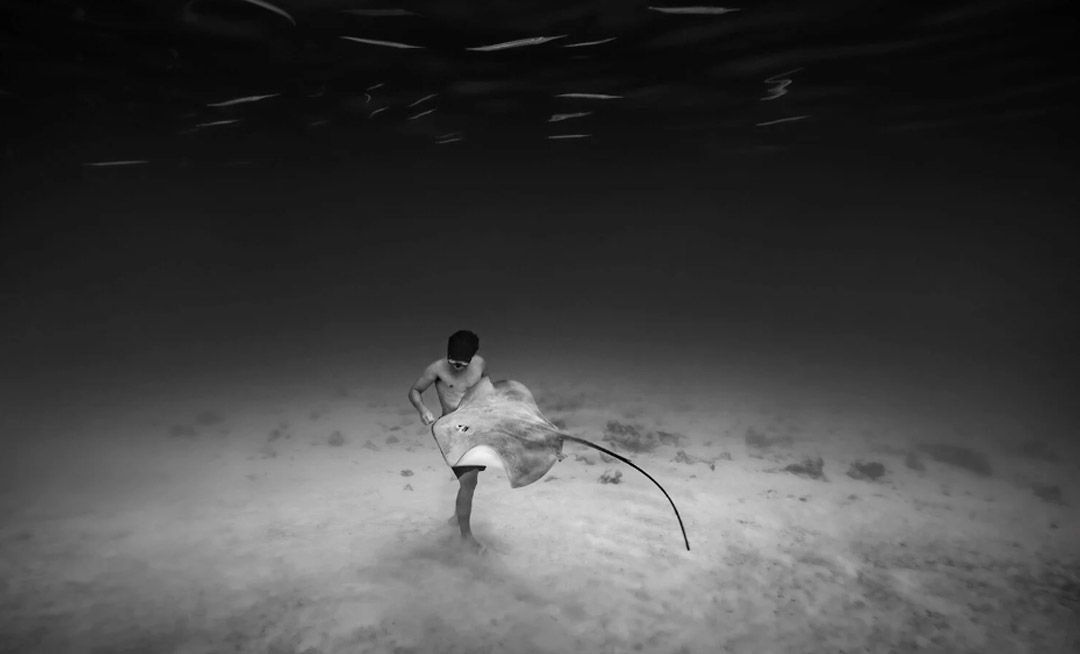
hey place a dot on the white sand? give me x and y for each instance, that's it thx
(135, 527)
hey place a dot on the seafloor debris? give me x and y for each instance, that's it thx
(813, 468)
(1038, 449)
(682, 457)
(183, 431)
(866, 470)
(955, 455)
(281, 431)
(1047, 492)
(610, 477)
(760, 440)
(635, 438)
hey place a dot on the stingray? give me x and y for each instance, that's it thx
(498, 424)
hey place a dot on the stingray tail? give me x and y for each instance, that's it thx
(633, 465)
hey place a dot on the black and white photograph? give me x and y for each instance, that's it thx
(522, 327)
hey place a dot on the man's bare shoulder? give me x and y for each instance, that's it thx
(430, 375)
(438, 368)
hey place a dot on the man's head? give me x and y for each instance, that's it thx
(461, 347)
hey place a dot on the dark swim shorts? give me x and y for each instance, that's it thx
(460, 470)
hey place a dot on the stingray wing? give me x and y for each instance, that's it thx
(502, 416)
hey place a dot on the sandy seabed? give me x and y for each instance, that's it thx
(315, 522)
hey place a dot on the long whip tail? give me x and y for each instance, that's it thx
(633, 465)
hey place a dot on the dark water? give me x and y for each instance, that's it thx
(904, 231)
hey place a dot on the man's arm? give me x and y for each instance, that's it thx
(415, 394)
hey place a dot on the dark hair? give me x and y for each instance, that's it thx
(462, 345)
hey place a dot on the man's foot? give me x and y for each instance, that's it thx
(473, 545)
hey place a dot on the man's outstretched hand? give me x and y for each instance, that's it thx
(427, 418)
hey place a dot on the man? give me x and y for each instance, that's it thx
(453, 376)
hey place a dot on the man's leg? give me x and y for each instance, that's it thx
(463, 507)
